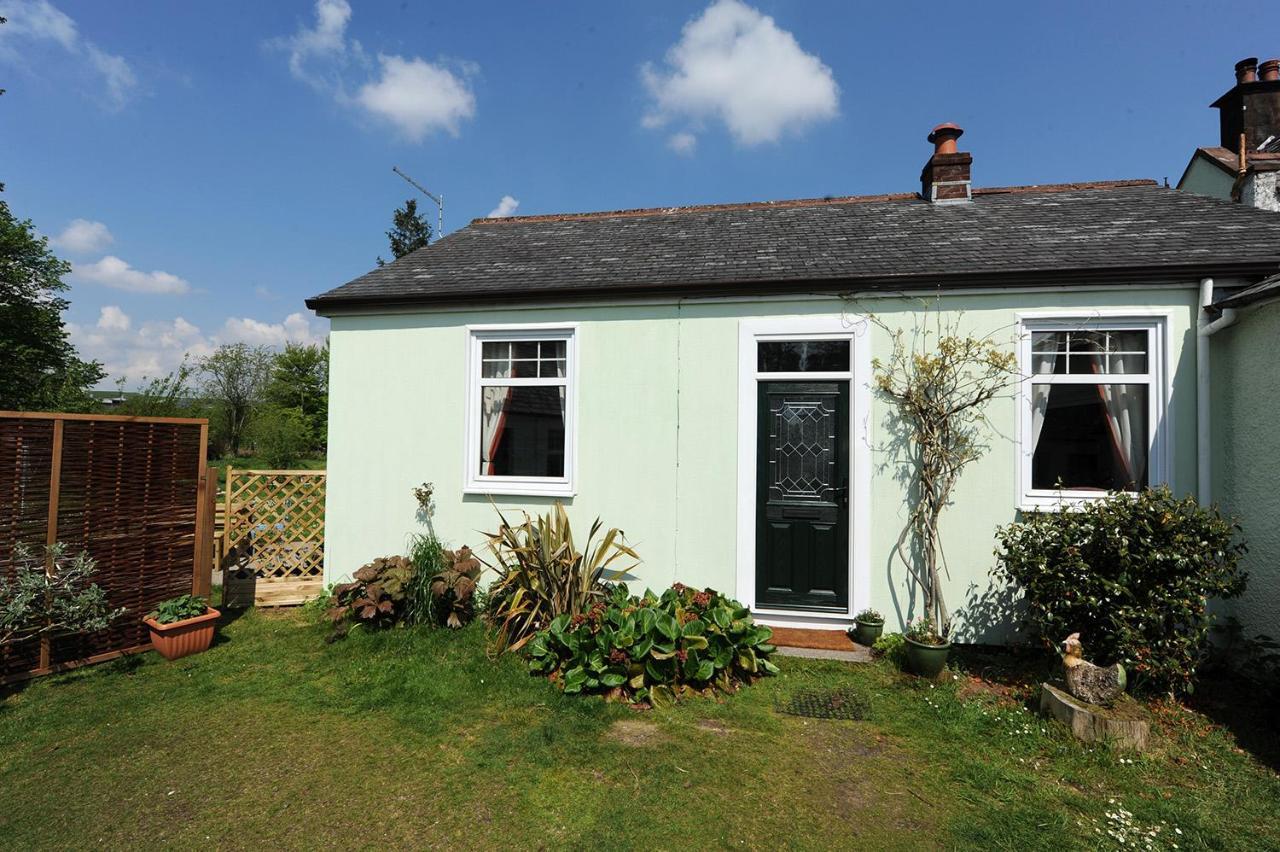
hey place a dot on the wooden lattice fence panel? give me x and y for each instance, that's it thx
(125, 489)
(274, 537)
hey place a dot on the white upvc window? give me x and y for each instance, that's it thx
(1092, 407)
(521, 410)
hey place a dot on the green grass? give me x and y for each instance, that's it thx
(415, 739)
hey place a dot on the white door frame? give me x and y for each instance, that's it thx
(846, 327)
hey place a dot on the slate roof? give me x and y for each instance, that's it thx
(1268, 288)
(1124, 231)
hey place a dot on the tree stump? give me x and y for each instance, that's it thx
(1125, 724)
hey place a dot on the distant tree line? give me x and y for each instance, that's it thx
(270, 402)
(273, 404)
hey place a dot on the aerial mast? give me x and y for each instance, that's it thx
(438, 199)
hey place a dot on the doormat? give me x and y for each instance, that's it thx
(839, 703)
(827, 640)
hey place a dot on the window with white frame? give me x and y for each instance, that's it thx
(1093, 407)
(520, 410)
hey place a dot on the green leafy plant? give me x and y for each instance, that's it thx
(870, 616)
(51, 596)
(892, 647)
(374, 598)
(427, 553)
(542, 574)
(281, 436)
(178, 609)
(654, 649)
(1132, 574)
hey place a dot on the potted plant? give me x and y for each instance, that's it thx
(867, 627)
(927, 649)
(181, 626)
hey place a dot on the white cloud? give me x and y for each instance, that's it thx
(735, 65)
(415, 96)
(40, 20)
(326, 41)
(83, 236)
(111, 318)
(296, 328)
(506, 207)
(684, 144)
(139, 351)
(113, 272)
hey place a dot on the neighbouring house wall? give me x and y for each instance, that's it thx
(1262, 190)
(1246, 422)
(657, 433)
(1204, 178)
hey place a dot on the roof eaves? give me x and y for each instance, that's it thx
(1015, 279)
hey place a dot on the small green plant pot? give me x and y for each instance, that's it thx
(927, 661)
(867, 632)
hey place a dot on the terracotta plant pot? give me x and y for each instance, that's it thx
(927, 661)
(183, 638)
(867, 632)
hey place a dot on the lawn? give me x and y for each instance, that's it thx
(414, 738)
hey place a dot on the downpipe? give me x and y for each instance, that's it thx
(1206, 328)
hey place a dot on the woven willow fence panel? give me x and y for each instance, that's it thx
(274, 537)
(126, 490)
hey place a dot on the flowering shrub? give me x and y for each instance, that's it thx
(921, 630)
(1132, 574)
(870, 616)
(654, 649)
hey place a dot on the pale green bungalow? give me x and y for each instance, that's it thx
(700, 377)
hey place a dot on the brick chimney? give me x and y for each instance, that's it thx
(1252, 106)
(945, 178)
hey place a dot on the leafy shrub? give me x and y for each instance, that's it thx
(892, 647)
(1130, 573)
(870, 616)
(542, 574)
(654, 649)
(51, 596)
(282, 436)
(178, 609)
(375, 597)
(453, 589)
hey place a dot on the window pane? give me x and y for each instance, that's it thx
(1089, 437)
(551, 369)
(496, 349)
(552, 349)
(803, 356)
(522, 431)
(524, 369)
(496, 369)
(1089, 352)
(524, 349)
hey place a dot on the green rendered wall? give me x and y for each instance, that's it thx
(657, 448)
(1245, 428)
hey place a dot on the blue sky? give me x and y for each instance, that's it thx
(229, 160)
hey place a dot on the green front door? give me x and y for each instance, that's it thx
(802, 496)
